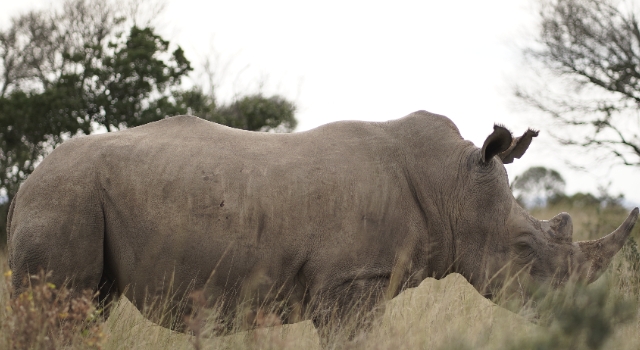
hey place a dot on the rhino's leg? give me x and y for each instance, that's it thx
(348, 310)
(57, 229)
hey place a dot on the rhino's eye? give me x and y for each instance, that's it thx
(523, 250)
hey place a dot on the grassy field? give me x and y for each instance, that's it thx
(445, 314)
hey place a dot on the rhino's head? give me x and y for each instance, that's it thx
(499, 246)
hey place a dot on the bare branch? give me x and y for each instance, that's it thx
(592, 48)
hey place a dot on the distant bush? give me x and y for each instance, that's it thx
(537, 186)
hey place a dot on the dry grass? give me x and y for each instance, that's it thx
(445, 314)
(49, 317)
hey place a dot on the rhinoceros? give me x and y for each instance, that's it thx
(322, 224)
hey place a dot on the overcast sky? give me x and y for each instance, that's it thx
(378, 61)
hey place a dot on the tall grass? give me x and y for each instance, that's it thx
(445, 314)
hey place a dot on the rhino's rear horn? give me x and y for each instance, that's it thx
(600, 252)
(496, 143)
(562, 227)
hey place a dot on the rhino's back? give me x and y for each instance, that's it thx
(201, 167)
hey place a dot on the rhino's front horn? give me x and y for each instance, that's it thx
(598, 253)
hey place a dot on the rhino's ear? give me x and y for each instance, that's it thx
(518, 146)
(496, 143)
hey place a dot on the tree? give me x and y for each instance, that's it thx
(537, 186)
(65, 73)
(87, 66)
(589, 50)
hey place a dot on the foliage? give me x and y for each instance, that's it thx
(590, 51)
(537, 185)
(49, 317)
(582, 200)
(34, 122)
(576, 200)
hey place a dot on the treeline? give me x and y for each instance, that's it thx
(89, 65)
(539, 187)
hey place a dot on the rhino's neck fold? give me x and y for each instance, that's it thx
(432, 173)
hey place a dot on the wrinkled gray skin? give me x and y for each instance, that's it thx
(342, 216)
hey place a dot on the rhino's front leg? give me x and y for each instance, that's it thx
(348, 310)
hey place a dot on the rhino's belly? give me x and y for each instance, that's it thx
(152, 260)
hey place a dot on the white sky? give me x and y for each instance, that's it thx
(377, 61)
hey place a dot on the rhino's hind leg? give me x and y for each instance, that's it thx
(348, 310)
(58, 230)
